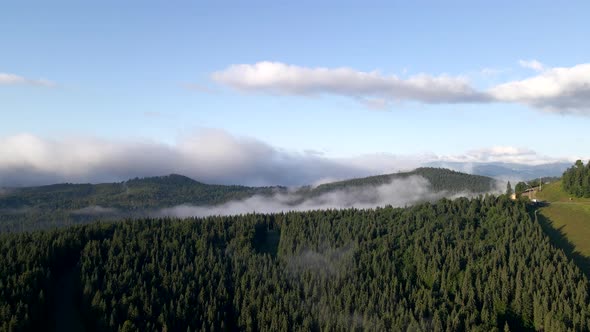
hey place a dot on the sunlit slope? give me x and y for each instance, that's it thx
(568, 214)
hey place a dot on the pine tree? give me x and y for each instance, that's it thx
(508, 189)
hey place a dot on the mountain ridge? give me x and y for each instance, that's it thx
(140, 197)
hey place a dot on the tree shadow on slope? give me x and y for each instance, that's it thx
(560, 240)
(66, 309)
(266, 239)
(514, 321)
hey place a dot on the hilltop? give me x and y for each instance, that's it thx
(151, 192)
(441, 179)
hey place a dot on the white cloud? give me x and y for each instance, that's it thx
(211, 156)
(561, 90)
(531, 64)
(11, 79)
(276, 77)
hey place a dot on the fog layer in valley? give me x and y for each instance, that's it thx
(399, 192)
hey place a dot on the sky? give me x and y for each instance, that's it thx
(107, 90)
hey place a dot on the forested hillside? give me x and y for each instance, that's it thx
(440, 179)
(134, 194)
(480, 264)
(67, 204)
(576, 179)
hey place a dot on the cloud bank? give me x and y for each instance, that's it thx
(399, 192)
(276, 77)
(558, 90)
(12, 79)
(210, 156)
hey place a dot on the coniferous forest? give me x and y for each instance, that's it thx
(576, 179)
(464, 265)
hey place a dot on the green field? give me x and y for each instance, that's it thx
(553, 193)
(570, 218)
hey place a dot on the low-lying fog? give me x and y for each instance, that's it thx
(400, 192)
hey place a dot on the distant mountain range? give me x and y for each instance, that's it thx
(54, 205)
(511, 171)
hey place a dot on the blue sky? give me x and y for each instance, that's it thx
(143, 71)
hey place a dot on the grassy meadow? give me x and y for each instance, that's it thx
(568, 215)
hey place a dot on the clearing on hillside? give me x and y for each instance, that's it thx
(567, 214)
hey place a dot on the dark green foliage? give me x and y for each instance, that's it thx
(29, 265)
(576, 180)
(479, 264)
(545, 180)
(521, 187)
(134, 194)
